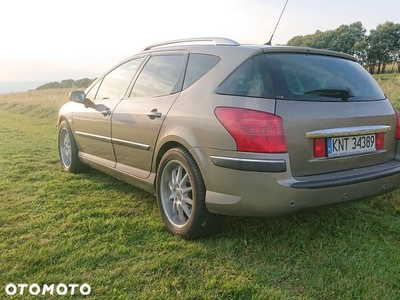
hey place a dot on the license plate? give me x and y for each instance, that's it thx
(351, 145)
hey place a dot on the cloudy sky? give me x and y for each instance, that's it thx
(47, 40)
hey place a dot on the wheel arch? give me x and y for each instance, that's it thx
(167, 144)
(68, 120)
(61, 119)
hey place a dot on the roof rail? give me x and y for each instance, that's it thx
(217, 41)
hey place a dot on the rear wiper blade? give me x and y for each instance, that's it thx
(342, 93)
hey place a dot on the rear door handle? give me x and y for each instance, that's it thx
(154, 114)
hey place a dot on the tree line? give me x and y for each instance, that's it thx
(66, 84)
(375, 51)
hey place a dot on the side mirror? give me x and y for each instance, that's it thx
(79, 96)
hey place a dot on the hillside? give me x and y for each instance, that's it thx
(10, 87)
(66, 84)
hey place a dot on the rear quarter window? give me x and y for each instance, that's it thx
(198, 66)
(312, 77)
(251, 79)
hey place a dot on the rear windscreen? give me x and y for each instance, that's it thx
(311, 77)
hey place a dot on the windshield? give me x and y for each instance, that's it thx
(311, 77)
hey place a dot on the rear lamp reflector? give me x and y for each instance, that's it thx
(319, 148)
(380, 141)
(253, 130)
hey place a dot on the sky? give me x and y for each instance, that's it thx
(47, 40)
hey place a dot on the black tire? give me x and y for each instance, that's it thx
(68, 150)
(181, 196)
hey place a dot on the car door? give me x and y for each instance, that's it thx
(92, 123)
(137, 120)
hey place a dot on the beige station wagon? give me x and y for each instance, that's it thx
(214, 128)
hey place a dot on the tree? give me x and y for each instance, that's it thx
(346, 38)
(396, 45)
(384, 46)
(68, 84)
(375, 51)
(316, 40)
(83, 83)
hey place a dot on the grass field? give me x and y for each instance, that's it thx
(90, 228)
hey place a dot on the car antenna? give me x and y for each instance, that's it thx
(272, 36)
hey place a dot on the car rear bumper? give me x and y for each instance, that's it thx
(350, 177)
(244, 184)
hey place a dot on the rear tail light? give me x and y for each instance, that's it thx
(252, 130)
(397, 125)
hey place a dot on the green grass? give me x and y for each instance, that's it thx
(390, 84)
(90, 228)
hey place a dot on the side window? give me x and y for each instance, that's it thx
(116, 82)
(162, 75)
(91, 94)
(252, 79)
(198, 66)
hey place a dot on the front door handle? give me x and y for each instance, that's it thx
(154, 114)
(106, 112)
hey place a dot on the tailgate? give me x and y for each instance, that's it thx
(349, 131)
